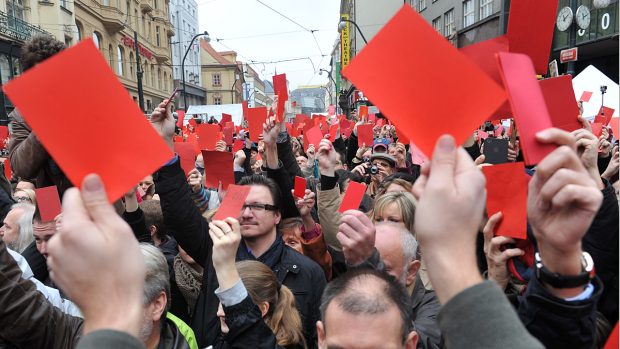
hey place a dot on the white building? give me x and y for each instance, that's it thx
(253, 88)
(184, 18)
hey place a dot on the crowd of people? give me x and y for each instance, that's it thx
(417, 265)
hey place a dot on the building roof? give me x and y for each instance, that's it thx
(213, 53)
(268, 86)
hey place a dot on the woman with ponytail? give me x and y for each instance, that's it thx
(255, 310)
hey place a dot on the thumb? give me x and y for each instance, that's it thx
(443, 164)
(96, 200)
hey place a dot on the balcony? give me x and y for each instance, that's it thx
(170, 32)
(162, 54)
(112, 18)
(146, 6)
(159, 15)
(17, 29)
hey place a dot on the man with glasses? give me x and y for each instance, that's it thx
(262, 241)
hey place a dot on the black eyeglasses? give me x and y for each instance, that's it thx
(259, 207)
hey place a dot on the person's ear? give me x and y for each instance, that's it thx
(320, 330)
(412, 271)
(153, 230)
(264, 308)
(159, 306)
(278, 217)
(412, 340)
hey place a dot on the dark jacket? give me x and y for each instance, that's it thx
(247, 329)
(304, 277)
(109, 339)
(29, 159)
(557, 323)
(425, 307)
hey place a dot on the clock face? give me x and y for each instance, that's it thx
(600, 3)
(582, 16)
(565, 18)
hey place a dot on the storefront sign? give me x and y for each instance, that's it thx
(568, 55)
(127, 41)
(345, 42)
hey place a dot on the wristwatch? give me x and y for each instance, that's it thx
(562, 281)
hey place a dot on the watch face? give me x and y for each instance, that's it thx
(582, 16)
(565, 18)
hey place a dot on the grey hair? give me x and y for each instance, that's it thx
(25, 226)
(410, 245)
(157, 275)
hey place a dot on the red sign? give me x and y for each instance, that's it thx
(127, 41)
(568, 55)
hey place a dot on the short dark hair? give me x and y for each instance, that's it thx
(38, 49)
(265, 182)
(345, 290)
(153, 216)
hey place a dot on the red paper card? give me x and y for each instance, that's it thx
(117, 129)
(530, 30)
(612, 341)
(300, 187)
(193, 140)
(527, 102)
(233, 202)
(280, 109)
(372, 118)
(331, 110)
(218, 168)
(344, 124)
(597, 129)
(560, 100)
(412, 99)
(228, 135)
(402, 138)
(208, 136)
(604, 115)
(363, 112)
(352, 197)
(4, 132)
(7, 169)
(417, 156)
(237, 145)
(365, 135)
(314, 137)
(507, 192)
(585, 96)
(333, 132)
(178, 139)
(48, 203)
(244, 106)
(256, 118)
(279, 86)
(187, 154)
(300, 118)
(226, 118)
(614, 127)
(181, 117)
(192, 122)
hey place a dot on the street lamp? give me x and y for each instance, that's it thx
(343, 24)
(208, 39)
(333, 81)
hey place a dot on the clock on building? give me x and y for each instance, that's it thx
(600, 3)
(582, 17)
(565, 18)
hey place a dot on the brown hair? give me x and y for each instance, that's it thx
(39, 48)
(282, 317)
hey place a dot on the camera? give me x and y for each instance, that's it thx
(603, 89)
(372, 170)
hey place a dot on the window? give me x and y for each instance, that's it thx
(135, 18)
(128, 7)
(217, 80)
(159, 78)
(68, 41)
(421, 5)
(131, 65)
(217, 100)
(149, 105)
(80, 30)
(156, 4)
(468, 13)
(106, 2)
(486, 8)
(63, 3)
(157, 38)
(152, 75)
(15, 8)
(448, 20)
(111, 56)
(96, 39)
(437, 24)
(121, 57)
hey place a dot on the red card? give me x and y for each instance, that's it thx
(225, 119)
(352, 197)
(585, 96)
(218, 168)
(300, 187)
(256, 118)
(233, 202)
(208, 136)
(7, 169)
(187, 154)
(614, 127)
(117, 129)
(178, 139)
(193, 140)
(372, 118)
(412, 98)
(530, 30)
(363, 112)
(4, 132)
(192, 122)
(48, 203)
(279, 86)
(612, 341)
(507, 192)
(402, 138)
(331, 110)
(527, 102)
(365, 135)
(604, 119)
(333, 132)
(237, 145)
(280, 109)
(417, 156)
(181, 117)
(344, 124)
(597, 129)
(560, 100)
(313, 136)
(228, 135)
(299, 118)
(244, 106)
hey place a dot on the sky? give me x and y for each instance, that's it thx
(259, 34)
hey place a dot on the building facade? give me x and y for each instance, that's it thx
(253, 88)
(184, 18)
(22, 19)
(311, 99)
(222, 75)
(112, 24)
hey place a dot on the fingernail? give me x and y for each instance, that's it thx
(446, 143)
(92, 183)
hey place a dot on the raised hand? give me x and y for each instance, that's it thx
(356, 234)
(327, 157)
(305, 204)
(612, 168)
(270, 131)
(497, 259)
(194, 179)
(163, 122)
(226, 236)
